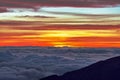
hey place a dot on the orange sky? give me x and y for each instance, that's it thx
(61, 38)
(59, 25)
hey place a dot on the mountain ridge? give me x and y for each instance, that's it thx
(103, 70)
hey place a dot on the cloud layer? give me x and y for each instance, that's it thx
(79, 3)
(33, 63)
(70, 3)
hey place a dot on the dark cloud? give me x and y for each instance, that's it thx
(8, 34)
(29, 26)
(3, 10)
(14, 23)
(74, 3)
(93, 39)
(11, 23)
(83, 3)
(71, 27)
(13, 4)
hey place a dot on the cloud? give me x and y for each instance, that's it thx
(6, 56)
(14, 34)
(33, 63)
(13, 4)
(48, 24)
(93, 39)
(73, 3)
(3, 10)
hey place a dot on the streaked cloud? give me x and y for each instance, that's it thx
(106, 10)
(60, 23)
(80, 3)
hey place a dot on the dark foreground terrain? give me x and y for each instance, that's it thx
(104, 70)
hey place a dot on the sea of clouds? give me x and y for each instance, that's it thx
(33, 63)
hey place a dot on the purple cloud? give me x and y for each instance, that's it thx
(73, 3)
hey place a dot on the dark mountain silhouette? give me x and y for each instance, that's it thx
(103, 70)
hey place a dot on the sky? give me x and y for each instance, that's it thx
(59, 23)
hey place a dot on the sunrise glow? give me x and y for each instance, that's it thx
(37, 23)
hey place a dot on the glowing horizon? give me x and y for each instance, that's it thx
(37, 23)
